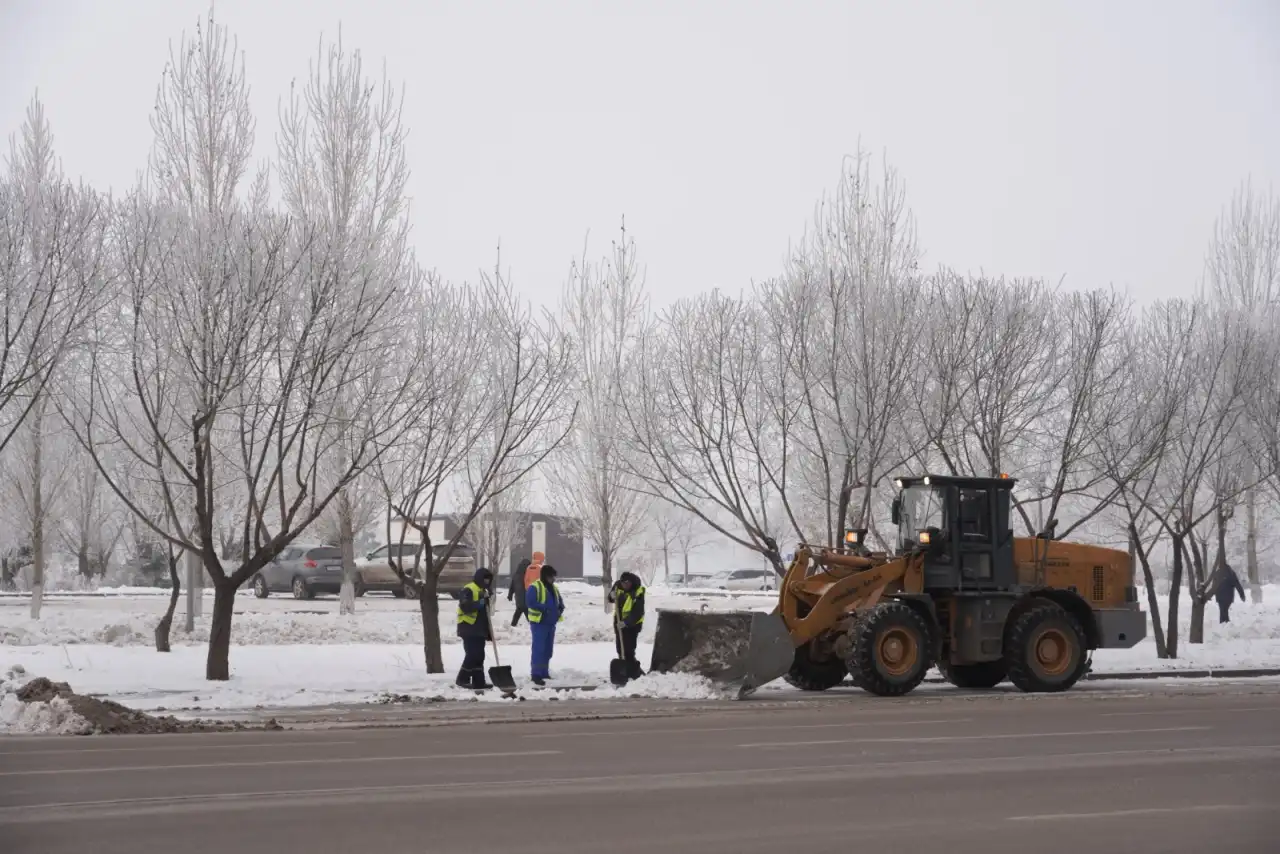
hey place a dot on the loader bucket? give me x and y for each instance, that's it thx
(742, 649)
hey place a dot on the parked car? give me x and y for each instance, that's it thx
(305, 570)
(747, 579)
(376, 572)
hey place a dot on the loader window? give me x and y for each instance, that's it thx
(975, 515)
(922, 508)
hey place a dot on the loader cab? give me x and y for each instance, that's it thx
(962, 526)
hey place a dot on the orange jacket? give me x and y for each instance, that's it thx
(534, 572)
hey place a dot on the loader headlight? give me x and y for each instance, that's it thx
(925, 539)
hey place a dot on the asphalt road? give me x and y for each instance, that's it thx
(1081, 774)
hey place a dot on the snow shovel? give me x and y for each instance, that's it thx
(617, 667)
(500, 676)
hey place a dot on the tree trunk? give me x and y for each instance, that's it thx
(346, 543)
(686, 568)
(666, 563)
(1251, 548)
(82, 558)
(218, 665)
(429, 607)
(37, 514)
(1175, 590)
(606, 575)
(194, 590)
(166, 623)
(1153, 601)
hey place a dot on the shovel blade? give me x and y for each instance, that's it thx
(502, 679)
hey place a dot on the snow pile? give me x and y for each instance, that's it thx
(667, 686)
(53, 717)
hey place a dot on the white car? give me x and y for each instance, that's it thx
(746, 579)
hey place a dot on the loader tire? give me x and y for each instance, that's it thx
(892, 650)
(1045, 649)
(810, 675)
(988, 674)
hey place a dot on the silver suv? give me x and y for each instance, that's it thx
(305, 569)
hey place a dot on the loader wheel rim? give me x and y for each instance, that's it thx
(898, 651)
(1053, 652)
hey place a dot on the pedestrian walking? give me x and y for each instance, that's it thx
(516, 588)
(627, 597)
(545, 608)
(474, 629)
(1228, 586)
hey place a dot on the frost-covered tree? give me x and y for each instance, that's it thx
(592, 478)
(488, 403)
(343, 168)
(240, 360)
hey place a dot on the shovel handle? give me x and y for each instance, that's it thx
(496, 661)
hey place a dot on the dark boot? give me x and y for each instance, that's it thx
(633, 670)
(477, 680)
(464, 677)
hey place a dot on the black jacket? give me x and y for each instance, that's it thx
(468, 604)
(515, 587)
(1228, 586)
(636, 614)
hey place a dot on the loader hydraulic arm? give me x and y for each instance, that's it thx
(844, 584)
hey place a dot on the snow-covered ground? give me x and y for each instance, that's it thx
(305, 653)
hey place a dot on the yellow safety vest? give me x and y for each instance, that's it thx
(626, 602)
(535, 615)
(463, 616)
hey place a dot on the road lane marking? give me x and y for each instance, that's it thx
(638, 732)
(997, 737)
(175, 746)
(269, 762)
(1075, 816)
(1215, 710)
(545, 785)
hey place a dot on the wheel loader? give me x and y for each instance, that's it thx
(960, 592)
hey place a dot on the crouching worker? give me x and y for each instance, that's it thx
(474, 629)
(628, 610)
(544, 608)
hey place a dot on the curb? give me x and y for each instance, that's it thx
(1134, 675)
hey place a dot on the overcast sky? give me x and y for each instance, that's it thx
(1092, 141)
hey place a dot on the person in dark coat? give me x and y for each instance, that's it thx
(1228, 587)
(545, 607)
(515, 590)
(474, 628)
(627, 597)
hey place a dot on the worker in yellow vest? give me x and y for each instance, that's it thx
(627, 597)
(544, 608)
(474, 629)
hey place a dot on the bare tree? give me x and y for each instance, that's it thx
(850, 298)
(676, 532)
(1223, 370)
(1243, 272)
(240, 360)
(486, 374)
(51, 279)
(344, 170)
(591, 478)
(706, 437)
(92, 522)
(36, 486)
(504, 523)
(1135, 450)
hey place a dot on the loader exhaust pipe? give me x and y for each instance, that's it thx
(737, 649)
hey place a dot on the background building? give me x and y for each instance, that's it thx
(554, 536)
